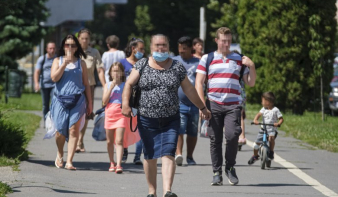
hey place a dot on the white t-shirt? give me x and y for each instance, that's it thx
(108, 58)
(270, 117)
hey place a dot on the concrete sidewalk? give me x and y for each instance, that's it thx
(39, 177)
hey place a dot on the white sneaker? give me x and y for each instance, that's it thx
(179, 160)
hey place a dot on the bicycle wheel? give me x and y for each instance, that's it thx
(268, 163)
(264, 156)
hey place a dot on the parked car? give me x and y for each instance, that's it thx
(333, 97)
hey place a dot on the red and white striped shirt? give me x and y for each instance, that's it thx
(223, 79)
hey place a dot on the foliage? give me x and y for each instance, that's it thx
(31, 101)
(19, 29)
(4, 189)
(284, 45)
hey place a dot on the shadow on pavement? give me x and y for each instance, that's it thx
(56, 190)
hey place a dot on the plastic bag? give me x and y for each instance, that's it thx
(204, 129)
(50, 128)
(99, 132)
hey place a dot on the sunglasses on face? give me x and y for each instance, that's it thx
(70, 45)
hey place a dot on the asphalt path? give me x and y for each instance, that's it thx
(298, 170)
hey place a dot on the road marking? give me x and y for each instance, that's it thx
(302, 175)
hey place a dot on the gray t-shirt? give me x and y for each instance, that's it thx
(45, 78)
(191, 66)
(159, 89)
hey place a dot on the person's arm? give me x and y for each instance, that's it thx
(87, 88)
(100, 69)
(257, 117)
(249, 79)
(107, 92)
(131, 81)
(193, 96)
(36, 79)
(280, 122)
(57, 71)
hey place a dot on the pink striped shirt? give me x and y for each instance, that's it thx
(223, 75)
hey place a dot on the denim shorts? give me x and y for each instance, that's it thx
(189, 120)
(159, 135)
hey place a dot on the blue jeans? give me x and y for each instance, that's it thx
(46, 94)
(189, 120)
(159, 135)
(138, 151)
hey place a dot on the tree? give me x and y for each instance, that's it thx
(276, 35)
(19, 30)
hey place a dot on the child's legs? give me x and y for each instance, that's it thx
(256, 148)
(110, 143)
(272, 142)
(119, 145)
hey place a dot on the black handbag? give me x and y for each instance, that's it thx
(134, 100)
(136, 91)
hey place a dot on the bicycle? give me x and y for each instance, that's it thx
(264, 149)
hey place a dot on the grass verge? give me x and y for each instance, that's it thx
(309, 128)
(28, 101)
(4, 189)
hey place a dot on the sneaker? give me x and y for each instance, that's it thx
(179, 160)
(170, 194)
(217, 179)
(191, 161)
(137, 161)
(253, 159)
(232, 177)
(125, 155)
(271, 155)
(151, 195)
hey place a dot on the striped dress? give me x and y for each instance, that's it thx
(70, 83)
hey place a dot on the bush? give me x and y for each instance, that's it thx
(12, 139)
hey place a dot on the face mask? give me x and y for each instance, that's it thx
(138, 55)
(160, 57)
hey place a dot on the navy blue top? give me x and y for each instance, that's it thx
(127, 67)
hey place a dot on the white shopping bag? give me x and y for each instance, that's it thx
(204, 129)
(50, 128)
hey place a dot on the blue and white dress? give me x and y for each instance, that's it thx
(70, 83)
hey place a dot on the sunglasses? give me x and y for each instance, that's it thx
(70, 45)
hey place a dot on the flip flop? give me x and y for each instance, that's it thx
(70, 167)
(60, 160)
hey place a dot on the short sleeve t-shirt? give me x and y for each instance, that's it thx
(223, 78)
(270, 117)
(127, 67)
(45, 78)
(93, 61)
(159, 89)
(116, 93)
(108, 58)
(191, 66)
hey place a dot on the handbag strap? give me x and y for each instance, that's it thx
(131, 125)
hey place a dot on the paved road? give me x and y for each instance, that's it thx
(294, 163)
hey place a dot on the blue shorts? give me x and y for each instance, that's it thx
(189, 120)
(159, 135)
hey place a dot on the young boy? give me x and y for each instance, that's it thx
(271, 115)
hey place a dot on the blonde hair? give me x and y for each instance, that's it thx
(222, 30)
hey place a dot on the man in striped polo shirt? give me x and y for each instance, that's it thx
(224, 99)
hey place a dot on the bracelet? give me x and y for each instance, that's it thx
(202, 108)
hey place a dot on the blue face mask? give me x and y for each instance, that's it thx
(138, 55)
(160, 57)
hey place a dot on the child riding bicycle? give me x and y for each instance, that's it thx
(270, 115)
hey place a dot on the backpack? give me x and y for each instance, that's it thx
(234, 56)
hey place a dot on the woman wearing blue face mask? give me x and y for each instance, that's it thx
(158, 118)
(134, 52)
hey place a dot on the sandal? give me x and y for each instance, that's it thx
(80, 148)
(58, 160)
(112, 167)
(69, 166)
(118, 170)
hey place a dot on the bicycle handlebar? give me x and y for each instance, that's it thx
(252, 123)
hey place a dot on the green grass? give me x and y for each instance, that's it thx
(28, 101)
(4, 189)
(309, 128)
